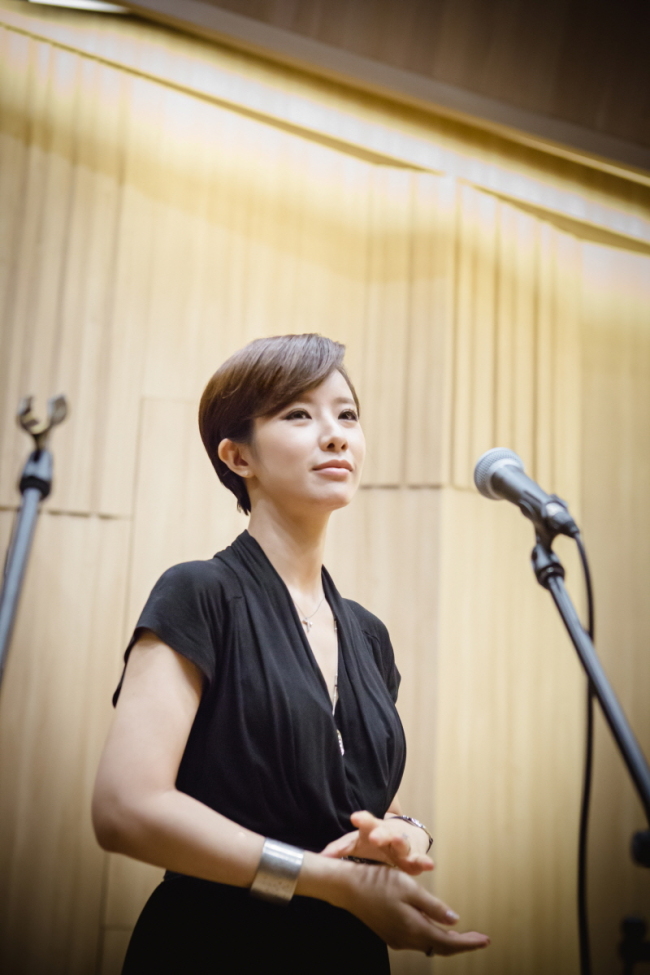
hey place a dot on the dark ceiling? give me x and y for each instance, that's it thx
(581, 63)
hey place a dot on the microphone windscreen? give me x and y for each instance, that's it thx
(488, 463)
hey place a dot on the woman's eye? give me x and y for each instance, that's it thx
(349, 415)
(297, 415)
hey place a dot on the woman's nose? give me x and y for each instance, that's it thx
(334, 439)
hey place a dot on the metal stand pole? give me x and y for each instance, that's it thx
(550, 574)
(35, 485)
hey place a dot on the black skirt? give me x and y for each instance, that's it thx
(195, 927)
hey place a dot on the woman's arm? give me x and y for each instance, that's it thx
(138, 811)
(136, 807)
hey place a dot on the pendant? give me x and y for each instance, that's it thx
(340, 737)
(307, 623)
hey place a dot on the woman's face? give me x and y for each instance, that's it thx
(311, 452)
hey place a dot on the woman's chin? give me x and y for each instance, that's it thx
(330, 500)
(338, 495)
(330, 497)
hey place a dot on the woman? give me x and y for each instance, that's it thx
(255, 719)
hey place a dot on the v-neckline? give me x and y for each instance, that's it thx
(333, 704)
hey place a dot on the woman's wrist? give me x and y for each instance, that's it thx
(325, 878)
(418, 835)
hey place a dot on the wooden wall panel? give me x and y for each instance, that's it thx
(475, 307)
(558, 394)
(84, 304)
(616, 309)
(509, 745)
(517, 291)
(182, 511)
(387, 316)
(427, 421)
(268, 238)
(517, 343)
(57, 296)
(53, 718)
(38, 246)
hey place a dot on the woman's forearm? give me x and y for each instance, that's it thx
(173, 830)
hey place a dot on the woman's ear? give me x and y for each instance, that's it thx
(234, 456)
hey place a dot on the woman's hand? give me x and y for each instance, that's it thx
(405, 915)
(393, 905)
(391, 841)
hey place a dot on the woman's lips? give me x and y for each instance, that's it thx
(338, 469)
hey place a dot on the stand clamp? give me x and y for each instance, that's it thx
(57, 410)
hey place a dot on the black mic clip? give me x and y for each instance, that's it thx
(546, 564)
(550, 517)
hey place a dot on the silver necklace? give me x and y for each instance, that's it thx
(307, 620)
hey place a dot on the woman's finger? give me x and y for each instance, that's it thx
(436, 939)
(401, 844)
(414, 865)
(440, 942)
(342, 846)
(432, 907)
(365, 819)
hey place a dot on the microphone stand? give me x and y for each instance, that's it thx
(35, 485)
(549, 572)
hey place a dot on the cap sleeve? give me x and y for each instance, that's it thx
(382, 649)
(184, 610)
(385, 656)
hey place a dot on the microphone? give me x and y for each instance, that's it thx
(499, 473)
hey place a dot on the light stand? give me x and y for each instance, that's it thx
(35, 485)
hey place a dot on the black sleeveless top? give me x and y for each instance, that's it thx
(264, 749)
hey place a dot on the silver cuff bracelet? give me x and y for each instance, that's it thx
(277, 873)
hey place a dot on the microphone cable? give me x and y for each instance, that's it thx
(583, 917)
(500, 473)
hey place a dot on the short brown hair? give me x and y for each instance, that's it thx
(259, 380)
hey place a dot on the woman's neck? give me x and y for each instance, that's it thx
(293, 546)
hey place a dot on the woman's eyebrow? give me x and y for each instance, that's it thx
(307, 398)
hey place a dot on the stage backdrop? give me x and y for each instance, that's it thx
(163, 202)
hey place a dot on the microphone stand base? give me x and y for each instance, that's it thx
(633, 949)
